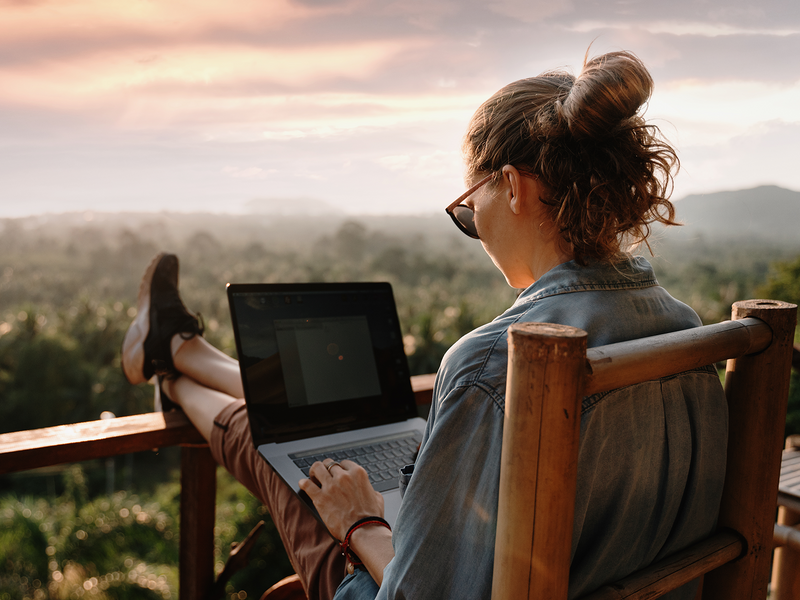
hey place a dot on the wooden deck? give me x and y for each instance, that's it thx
(786, 559)
(789, 487)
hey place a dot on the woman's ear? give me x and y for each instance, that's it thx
(524, 191)
(515, 188)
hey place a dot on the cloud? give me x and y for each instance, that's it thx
(103, 21)
(194, 68)
(395, 163)
(699, 28)
(200, 103)
(248, 172)
(688, 16)
(529, 11)
(714, 112)
(766, 153)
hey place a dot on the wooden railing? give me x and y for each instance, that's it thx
(25, 450)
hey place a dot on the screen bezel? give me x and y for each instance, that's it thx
(273, 423)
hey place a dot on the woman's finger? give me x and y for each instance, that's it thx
(319, 470)
(342, 495)
(331, 465)
(325, 469)
(310, 488)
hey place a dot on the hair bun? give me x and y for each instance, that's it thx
(607, 93)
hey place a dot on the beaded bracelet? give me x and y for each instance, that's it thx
(345, 545)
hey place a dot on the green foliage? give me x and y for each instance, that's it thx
(61, 365)
(123, 546)
(710, 275)
(23, 556)
(112, 547)
(784, 282)
(66, 301)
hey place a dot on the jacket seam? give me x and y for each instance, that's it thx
(479, 372)
(489, 390)
(599, 287)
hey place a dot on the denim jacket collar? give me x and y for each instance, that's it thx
(631, 272)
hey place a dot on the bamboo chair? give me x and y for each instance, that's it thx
(550, 371)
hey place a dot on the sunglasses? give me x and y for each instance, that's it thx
(463, 216)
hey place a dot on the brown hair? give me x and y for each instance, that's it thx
(609, 173)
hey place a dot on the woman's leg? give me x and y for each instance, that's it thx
(205, 364)
(201, 404)
(210, 381)
(222, 420)
(207, 385)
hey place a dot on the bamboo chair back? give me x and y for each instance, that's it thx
(551, 371)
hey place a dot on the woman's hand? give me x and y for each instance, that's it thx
(342, 494)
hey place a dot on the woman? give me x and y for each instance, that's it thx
(565, 175)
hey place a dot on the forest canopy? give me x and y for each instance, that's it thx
(68, 289)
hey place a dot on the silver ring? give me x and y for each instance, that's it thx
(332, 464)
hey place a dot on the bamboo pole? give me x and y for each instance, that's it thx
(627, 363)
(786, 536)
(757, 387)
(540, 440)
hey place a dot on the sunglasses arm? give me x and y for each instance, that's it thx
(469, 192)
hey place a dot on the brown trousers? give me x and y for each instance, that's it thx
(315, 556)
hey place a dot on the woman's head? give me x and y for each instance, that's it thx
(607, 173)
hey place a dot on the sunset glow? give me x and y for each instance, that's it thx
(203, 105)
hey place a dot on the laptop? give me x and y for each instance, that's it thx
(325, 376)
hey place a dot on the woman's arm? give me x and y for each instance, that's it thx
(342, 495)
(445, 532)
(373, 545)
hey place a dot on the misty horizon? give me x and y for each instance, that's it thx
(300, 207)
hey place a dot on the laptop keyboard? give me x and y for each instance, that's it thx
(381, 457)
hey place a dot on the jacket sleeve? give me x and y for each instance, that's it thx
(444, 536)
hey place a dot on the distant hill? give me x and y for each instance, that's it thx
(767, 212)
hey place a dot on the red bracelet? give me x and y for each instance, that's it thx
(345, 545)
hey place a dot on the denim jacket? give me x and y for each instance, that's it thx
(651, 463)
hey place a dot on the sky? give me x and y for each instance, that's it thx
(357, 106)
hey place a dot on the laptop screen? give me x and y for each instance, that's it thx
(319, 358)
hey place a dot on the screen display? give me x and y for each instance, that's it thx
(319, 358)
(326, 359)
